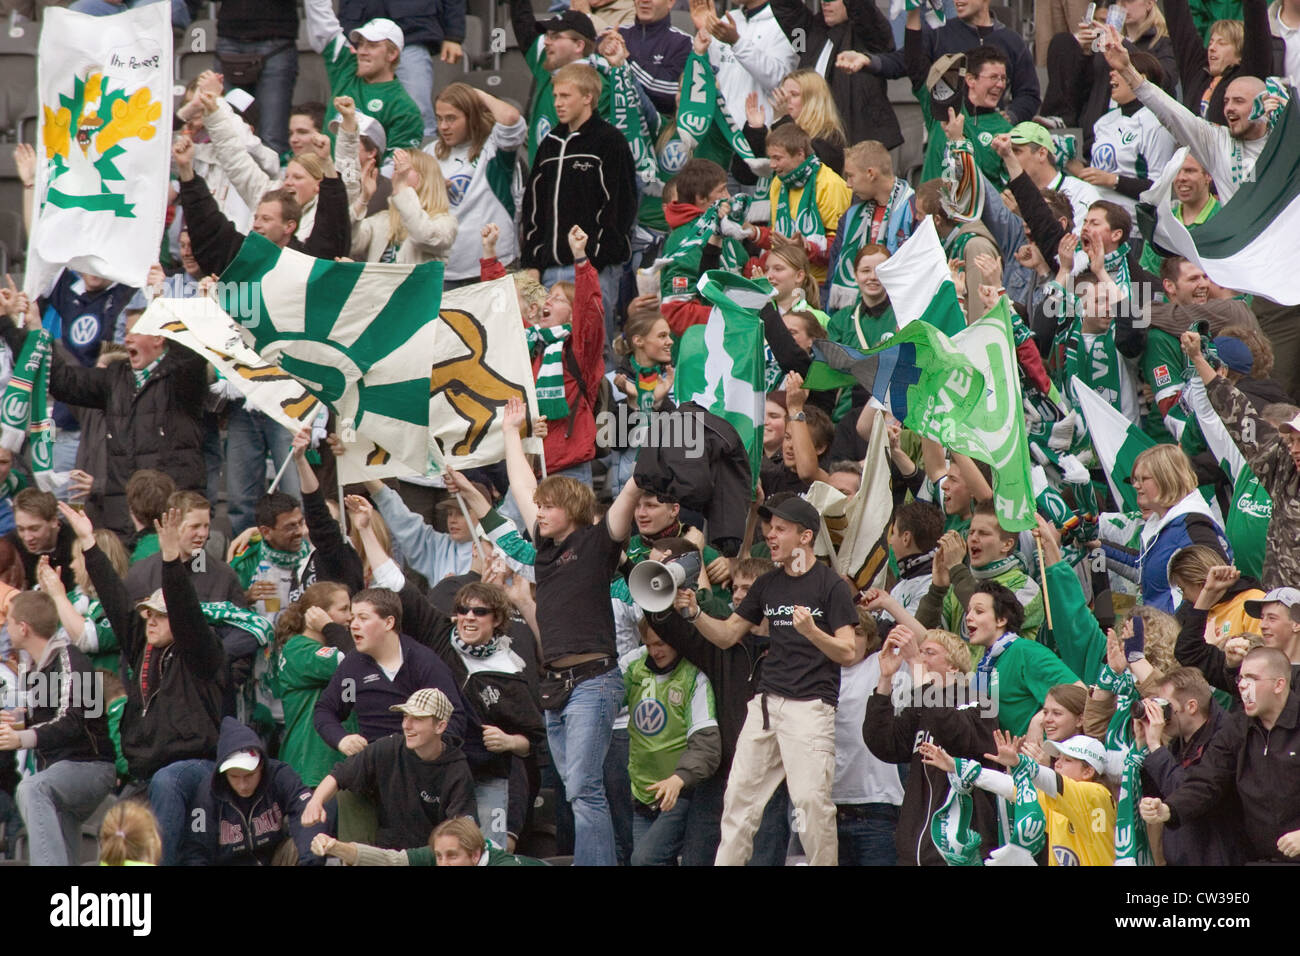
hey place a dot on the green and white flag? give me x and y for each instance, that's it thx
(919, 283)
(103, 145)
(994, 431)
(720, 363)
(360, 336)
(1242, 246)
(1116, 441)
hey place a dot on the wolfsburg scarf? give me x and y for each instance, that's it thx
(551, 402)
(1001, 566)
(705, 226)
(223, 612)
(699, 108)
(645, 379)
(1096, 364)
(480, 651)
(807, 219)
(23, 408)
(950, 825)
(986, 668)
(626, 116)
(867, 222)
(1131, 846)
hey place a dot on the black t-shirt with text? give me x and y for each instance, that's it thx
(573, 610)
(795, 667)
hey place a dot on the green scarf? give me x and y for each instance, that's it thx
(858, 223)
(645, 379)
(807, 219)
(1097, 365)
(697, 233)
(626, 116)
(551, 402)
(142, 374)
(950, 825)
(1001, 566)
(223, 612)
(699, 108)
(954, 246)
(23, 408)
(1131, 845)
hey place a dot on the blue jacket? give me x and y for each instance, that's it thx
(1187, 523)
(657, 55)
(224, 830)
(427, 22)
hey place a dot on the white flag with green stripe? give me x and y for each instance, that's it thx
(919, 283)
(1243, 245)
(720, 363)
(1115, 439)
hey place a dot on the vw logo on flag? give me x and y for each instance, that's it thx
(649, 716)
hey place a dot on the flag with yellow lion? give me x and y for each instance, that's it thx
(103, 144)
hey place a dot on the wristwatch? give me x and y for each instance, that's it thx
(799, 417)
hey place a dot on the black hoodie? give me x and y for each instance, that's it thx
(228, 830)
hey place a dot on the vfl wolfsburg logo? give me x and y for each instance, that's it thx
(85, 136)
(15, 408)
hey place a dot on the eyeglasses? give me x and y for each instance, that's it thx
(476, 611)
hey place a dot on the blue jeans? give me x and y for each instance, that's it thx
(493, 797)
(56, 802)
(63, 457)
(171, 790)
(274, 88)
(618, 789)
(102, 8)
(415, 72)
(868, 840)
(657, 837)
(704, 823)
(579, 738)
(250, 438)
(611, 278)
(772, 841)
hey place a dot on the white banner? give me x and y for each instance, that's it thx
(103, 144)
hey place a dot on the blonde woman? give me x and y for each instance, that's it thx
(803, 98)
(418, 226)
(1078, 80)
(1177, 517)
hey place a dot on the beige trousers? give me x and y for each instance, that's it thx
(799, 746)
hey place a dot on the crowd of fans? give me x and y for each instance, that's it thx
(456, 671)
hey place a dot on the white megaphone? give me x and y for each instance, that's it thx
(654, 584)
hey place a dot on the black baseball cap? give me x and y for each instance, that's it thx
(798, 510)
(571, 21)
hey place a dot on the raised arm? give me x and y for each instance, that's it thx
(523, 483)
(620, 515)
(321, 23)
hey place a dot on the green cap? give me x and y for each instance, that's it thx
(1032, 134)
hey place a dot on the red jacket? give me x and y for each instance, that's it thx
(586, 344)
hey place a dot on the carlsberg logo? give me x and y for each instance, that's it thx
(1248, 504)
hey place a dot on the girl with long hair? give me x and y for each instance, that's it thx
(418, 225)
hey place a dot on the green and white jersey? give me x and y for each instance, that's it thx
(302, 670)
(664, 710)
(1164, 368)
(482, 190)
(389, 103)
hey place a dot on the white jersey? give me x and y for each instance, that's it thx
(482, 191)
(1138, 146)
(1081, 195)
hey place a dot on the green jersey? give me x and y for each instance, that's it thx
(663, 711)
(114, 714)
(1024, 672)
(302, 670)
(146, 546)
(857, 328)
(1164, 368)
(388, 102)
(980, 130)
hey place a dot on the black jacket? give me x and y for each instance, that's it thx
(62, 696)
(159, 426)
(862, 97)
(422, 21)
(1262, 766)
(1193, 650)
(584, 178)
(714, 480)
(181, 717)
(411, 796)
(60, 557)
(216, 241)
(253, 20)
(1214, 839)
(227, 831)
(896, 738)
(733, 672)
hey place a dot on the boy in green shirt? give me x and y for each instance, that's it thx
(361, 65)
(985, 81)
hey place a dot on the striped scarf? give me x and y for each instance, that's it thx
(551, 402)
(1131, 845)
(481, 651)
(23, 408)
(806, 221)
(865, 223)
(645, 380)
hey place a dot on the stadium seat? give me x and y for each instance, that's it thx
(506, 84)
(474, 45)
(190, 65)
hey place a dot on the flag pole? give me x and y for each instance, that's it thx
(280, 474)
(1042, 571)
(473, 536)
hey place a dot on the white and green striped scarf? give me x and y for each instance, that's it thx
(699, 108)
(551, 402)
(806, 221)
(23, 408)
